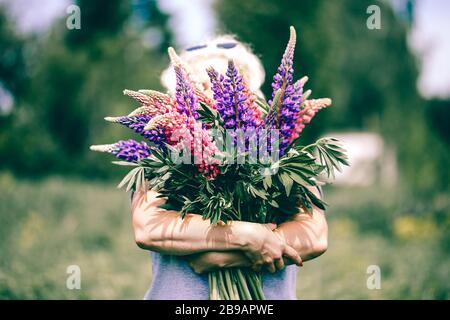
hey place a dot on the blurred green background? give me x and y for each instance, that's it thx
(58, 202)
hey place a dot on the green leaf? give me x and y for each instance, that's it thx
(287, 182)
(267, 181)
(162, 169)
(209, 187)
(139, 180)
(262, 104)
(132, 179)
(316, 201)
(129, 176)
(125, 163)
(276, 100)
(299, 179)
(274, 204)
(330, 154)
(257, 192)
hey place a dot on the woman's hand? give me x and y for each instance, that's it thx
(273, 255)
(210, 261)
(268, 248)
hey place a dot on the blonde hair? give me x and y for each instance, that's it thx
(216, 53)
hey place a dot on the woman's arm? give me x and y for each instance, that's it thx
(165, 231)
(306, 233)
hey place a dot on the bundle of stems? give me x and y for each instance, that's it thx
(235, 284)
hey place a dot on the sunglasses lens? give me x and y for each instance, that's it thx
(227, 45)
(196, 47)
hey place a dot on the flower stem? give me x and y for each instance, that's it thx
(222, 287)
(214, 295)
(254, 281)
(234, 293)
(243, 283)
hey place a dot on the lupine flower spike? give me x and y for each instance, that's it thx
(138, 123)
(309, 110)
(229, 92)
(187, 102)
(283, 116)
(197, 86)
(153, 102)
(127, 150)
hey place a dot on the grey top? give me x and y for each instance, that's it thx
(174, 279)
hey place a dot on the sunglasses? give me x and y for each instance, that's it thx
(225, 45)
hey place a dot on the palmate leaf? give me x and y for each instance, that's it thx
(297, 173)
(330, 154)
(297, 168)
(131, 178)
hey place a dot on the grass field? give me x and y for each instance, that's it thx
(48, 225)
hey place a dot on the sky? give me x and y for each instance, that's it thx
(193, 21)
(430, 38)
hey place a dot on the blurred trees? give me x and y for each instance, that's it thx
(370, 74)
(12, 62)
(73, 79)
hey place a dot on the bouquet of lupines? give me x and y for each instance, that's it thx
(227, 154)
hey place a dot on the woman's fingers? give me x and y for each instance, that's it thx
(196, 267)
(292, 254)
(271, 267)
(279, 264)
(256, 267)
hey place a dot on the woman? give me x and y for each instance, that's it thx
(183, 250)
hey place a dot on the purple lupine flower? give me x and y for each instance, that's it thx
(187, 102)
(230, 97)
(157, 136)
(285, 71)
(135, 123)
(216, 86)
(128, 150)
(131, 150)
(138, 123)
(285, 116)
(288, 114)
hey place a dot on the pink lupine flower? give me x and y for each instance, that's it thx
(251, 104)
(192, 138)
(153, 102)
(307, 112)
